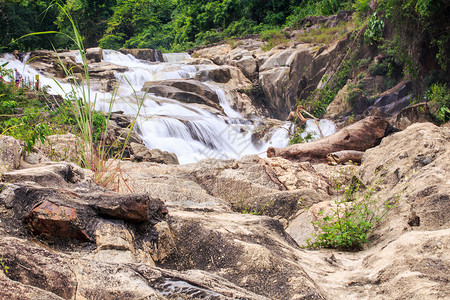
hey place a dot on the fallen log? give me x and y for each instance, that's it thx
(341, 157)
(360, 136)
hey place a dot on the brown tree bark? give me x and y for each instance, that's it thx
(341, 157)
(360, 136)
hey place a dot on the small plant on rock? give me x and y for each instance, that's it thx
(351, 221)
(4, 266)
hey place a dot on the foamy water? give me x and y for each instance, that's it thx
(189, 131)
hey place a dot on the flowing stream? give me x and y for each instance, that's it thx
(190, 131)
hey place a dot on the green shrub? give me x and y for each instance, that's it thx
(327, 35)
(113, 41)
(374, 31)
(352, 219)
(298, 139)
(272, 38)
(439, 96)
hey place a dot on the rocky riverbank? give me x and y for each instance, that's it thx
(183, 232)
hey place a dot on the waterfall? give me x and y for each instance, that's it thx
(29, 74)
(175, 57)
(190, 131)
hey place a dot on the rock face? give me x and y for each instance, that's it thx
(94, 54)
(145, 54)
(10, 152)
(189, 91)
(228, 229)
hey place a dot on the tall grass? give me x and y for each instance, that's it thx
(95, 153)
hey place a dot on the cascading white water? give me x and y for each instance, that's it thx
(189, 131)
(29, 74)
(175, 57)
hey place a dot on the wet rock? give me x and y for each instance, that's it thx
(94, 54)
(189, 91)
(65, 276)
(221, 75)
(57, 221)
(10, 153)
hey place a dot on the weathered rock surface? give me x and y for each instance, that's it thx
(188, 91)
(10, 153)
(144, 54)
(204, 247)
(94, 54)
(418, 113)
(408, 253)
(142, 154)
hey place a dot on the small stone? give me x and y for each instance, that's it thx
(413, 220)
(57, 221)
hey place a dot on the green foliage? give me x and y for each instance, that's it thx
(315, 8)
(319, 99)
(30, 125)
(439, 96)
(18, 17)
(327, 35)
(417, 22)
(99, 122)
(374, 31)
(4, 266)
(298, 139)
(90, 16)
(351, 221)
(272, 38)
(361, 6)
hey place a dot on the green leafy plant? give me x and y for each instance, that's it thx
(298, 139)
(439, 96)
(374, 31)
(4, 266)
(354, 217)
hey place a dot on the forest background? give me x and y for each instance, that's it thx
(177, 25)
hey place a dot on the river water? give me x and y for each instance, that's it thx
(188, 130)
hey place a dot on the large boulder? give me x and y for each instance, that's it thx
(418, 113)
(40, 272)
(10, 153)
(246, 250)
(141, 153)
(94, 54)
(189, 91)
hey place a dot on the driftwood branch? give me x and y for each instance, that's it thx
(341, 157)
(360, 136)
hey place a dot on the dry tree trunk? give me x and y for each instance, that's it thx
(360, 136)
(344, 156)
